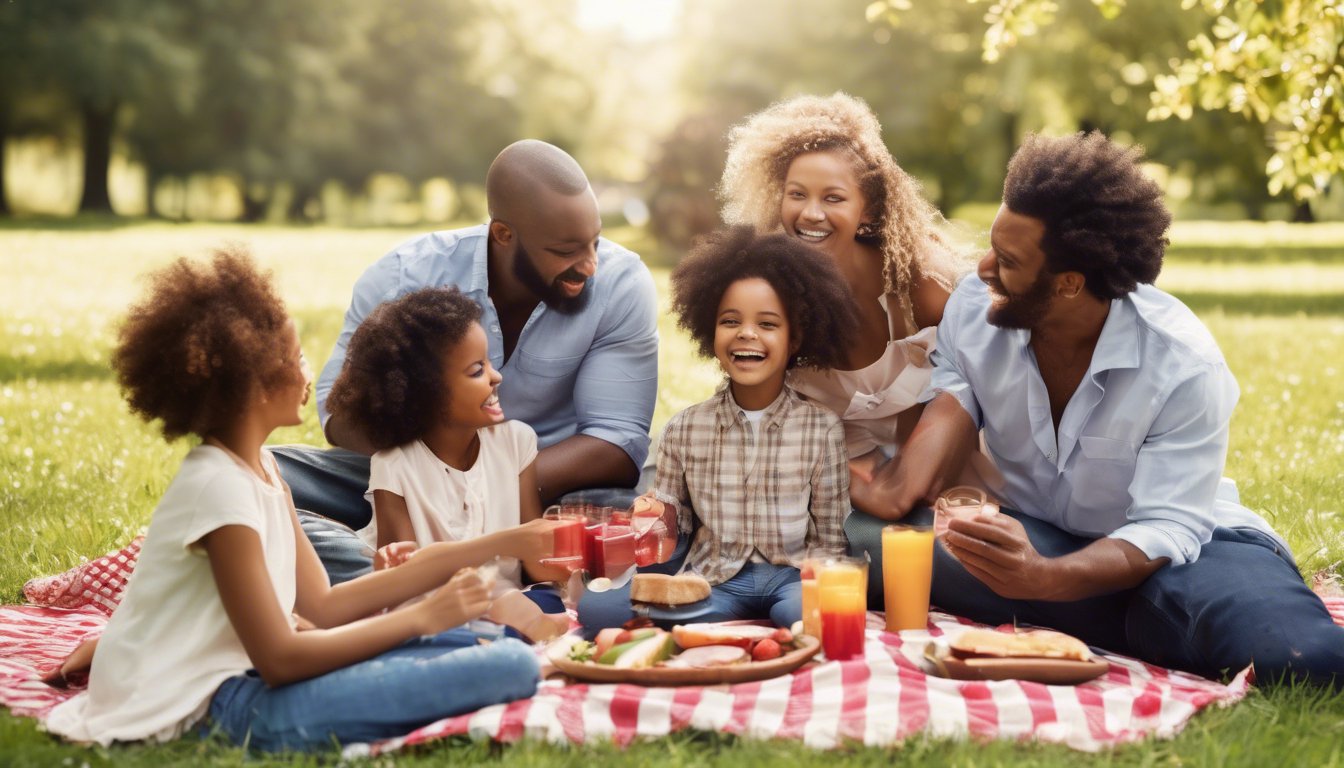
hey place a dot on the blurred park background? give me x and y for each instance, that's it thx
(388, 112)
(322, 133)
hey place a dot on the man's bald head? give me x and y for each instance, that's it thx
(523, 170)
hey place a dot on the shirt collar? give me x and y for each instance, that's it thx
(727, 412)
(1118, 345)
(480, 262)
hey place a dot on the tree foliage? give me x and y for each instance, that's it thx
(1278, 62)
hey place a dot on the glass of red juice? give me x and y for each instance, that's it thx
(570, 549)
(613, 550)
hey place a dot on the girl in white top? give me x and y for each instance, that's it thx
(229, 612)
(418, 383)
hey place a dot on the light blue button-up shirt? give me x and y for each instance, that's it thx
(594, 372)
(1141, 444)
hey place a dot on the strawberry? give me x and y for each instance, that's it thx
(765, 650)
(782, 636)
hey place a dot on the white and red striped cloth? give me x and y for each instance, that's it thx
(878, 700)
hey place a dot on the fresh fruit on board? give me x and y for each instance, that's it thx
(765, 650)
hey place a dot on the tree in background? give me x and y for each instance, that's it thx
(1278, 63)
(103, 57)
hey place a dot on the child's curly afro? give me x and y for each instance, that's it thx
(820, 307)
(391, 387)
(193, 348)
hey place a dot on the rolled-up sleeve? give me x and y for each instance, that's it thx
(947, 374)
(669, 485)
(378, 284)
(1179, 467)
(617, 383)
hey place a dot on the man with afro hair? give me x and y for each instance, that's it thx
(1105, 404)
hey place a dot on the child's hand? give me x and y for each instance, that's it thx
(466, 596)
(535, 540)
(394, 554)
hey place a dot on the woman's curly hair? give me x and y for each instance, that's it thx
(823, 320)
(1103, 216)
(192, 349)
(391, 386)
(909, 229)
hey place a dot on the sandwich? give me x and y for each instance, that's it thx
(663, 591)
(1033, 644)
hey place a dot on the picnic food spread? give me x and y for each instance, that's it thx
(1038, 643)
(659, 589)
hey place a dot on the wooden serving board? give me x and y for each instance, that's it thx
(672, 676)
(1048, 671)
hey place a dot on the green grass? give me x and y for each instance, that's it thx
(78, 475)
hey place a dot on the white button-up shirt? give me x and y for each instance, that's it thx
(1141, 445)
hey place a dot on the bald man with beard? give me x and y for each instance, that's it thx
(572, 325)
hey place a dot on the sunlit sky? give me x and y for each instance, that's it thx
(638, 19)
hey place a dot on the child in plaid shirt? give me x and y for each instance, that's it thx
(760, 474)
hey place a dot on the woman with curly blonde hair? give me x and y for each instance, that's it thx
(817, 168)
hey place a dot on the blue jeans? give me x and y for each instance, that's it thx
(1242, 601)
(412, 685)
(328, 487)
(758, 591)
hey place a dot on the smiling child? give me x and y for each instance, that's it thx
(760, 474)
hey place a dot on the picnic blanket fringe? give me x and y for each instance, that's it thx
(879, 700)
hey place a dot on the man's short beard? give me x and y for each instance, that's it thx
(525, 271)
(1023, 310)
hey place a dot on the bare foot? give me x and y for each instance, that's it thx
(513, 609)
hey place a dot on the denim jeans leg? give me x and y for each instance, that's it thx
(782, 596)
(329, 482)
(343, 554)
(1241, 601)
(390, 695)
(1097, 621)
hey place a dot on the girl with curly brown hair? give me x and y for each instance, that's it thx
(816, 168)
(448, 467)
(229, 615)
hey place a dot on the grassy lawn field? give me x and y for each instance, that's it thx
(79, 476)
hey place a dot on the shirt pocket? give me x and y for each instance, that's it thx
(547, 367)
(1101, 481)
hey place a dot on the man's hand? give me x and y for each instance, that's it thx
(995, 549)
(394, 554)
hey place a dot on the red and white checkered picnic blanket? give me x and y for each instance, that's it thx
(880, 699)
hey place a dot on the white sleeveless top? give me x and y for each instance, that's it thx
(871, 400)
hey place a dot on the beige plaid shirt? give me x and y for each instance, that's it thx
(788, 502)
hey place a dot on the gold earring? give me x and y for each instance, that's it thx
(866, 229)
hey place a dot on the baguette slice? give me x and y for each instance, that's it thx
(1033, 644)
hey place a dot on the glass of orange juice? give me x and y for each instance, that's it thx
(842, 590)
(907, 573)
(811, 606)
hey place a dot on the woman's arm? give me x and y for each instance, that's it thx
(394, 519)
(927, 300)
(283, 655)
